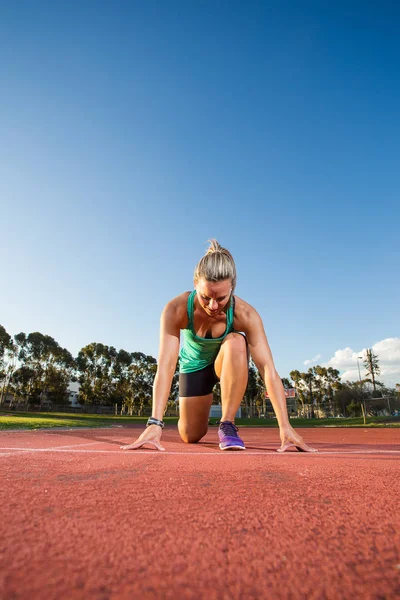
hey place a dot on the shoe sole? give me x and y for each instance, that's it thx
(232, 447)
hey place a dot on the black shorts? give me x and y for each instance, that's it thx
(201, 383)
(198, 383)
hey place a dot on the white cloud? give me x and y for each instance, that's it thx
(388, 352)
(312, 360)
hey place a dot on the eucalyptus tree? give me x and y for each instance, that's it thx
(371, 364)
(349, 397)
(304, 383)
(309, 378)
(261, 393)
(174, 391)
(251, 392)
(333, 385)
(5, 339)
(60, 372)
(299, 386)
(133, 378)
(142, 372)
(22, 383)
(8, 356)
(29, 373)
(326, 381)
(320, 386)
(254, 399)
(94, 373)
(121, 383)
(106, 376)
(47, 368)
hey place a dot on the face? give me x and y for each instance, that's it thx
(213, 297)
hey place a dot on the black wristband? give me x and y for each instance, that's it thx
(153, 421)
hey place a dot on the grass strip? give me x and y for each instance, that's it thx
(36, 420)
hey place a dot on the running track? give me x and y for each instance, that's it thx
(82, 519)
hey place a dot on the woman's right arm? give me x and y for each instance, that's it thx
(167, 358)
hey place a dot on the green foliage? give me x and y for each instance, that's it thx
(371, 364)
(354, 409)
(38, 420)
(37, 369)
(315, 390)
(5, 340)
(254, 400)
(39, 372)
(7, 362)
(106, 377)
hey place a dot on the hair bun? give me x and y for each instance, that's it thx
(216, 265)
(214, 246)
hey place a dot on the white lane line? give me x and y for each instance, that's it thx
(177, 453)
(55, 447)
(55, 430)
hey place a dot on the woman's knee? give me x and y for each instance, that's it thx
(236, 342)
(189, 436)
(190, 439)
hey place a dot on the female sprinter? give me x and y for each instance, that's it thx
(218, 329)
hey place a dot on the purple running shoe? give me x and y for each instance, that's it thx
(228, 437)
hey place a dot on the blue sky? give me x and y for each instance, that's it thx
(133, 132)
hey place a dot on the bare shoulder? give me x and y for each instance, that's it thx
(245, 315)
(176, 310)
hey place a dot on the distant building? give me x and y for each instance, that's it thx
(73, 398)
(216, 412)
(290, 394)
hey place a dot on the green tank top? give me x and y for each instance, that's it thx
(197, 352)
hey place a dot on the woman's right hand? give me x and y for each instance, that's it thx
(151, 435)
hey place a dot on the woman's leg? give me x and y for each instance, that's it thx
(232, 368)
(193, 417)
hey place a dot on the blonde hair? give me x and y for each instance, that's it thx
(216, 265)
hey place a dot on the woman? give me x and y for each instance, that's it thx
(219, 331)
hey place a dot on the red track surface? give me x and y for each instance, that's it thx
(82, 519)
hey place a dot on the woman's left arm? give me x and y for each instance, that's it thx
(262, 356)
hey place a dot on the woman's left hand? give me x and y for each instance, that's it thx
(289, 437)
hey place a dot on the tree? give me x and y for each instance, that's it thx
(142, 373)
(94, 373)
(121, 383)
(8, 355)
(326, 381)
(58, 375)
(309, 378)
(300, 392)
(106, 376)
(22, 382)
(254, 399)
(174, 392)
(320, 386)
(333, 385)
(348, 397)
(51, 365)
(38, 368)
(371, 364)
(5, 339)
